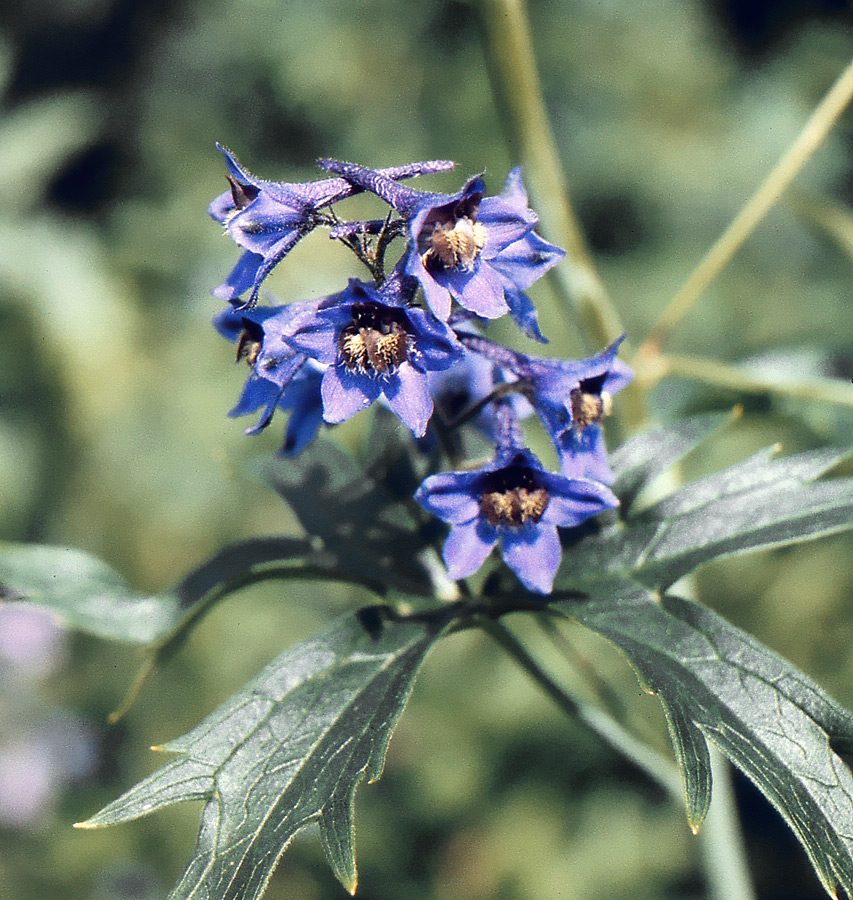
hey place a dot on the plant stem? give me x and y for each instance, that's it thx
(738, 378)
(605, 726)
(756, 208)
(723, 855)
(515, 81)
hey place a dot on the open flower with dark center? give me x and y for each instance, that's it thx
(268, 218)
(480, 251)
(375, 345)
(572, 400)
(515, 502)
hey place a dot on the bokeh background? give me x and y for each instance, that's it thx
(114, 392)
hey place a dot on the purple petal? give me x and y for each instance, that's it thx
(449, 495)
(514, 192)
(301, 429)
(524, 261)
(344, 394)
(316, 335)
(263, 224)
(524, 314)
(504, 224)
(534, 554)
(467, 547)
(573, 500)
(583, 455)
(257, 392)
(241, 278)
(407, 393)
(436, 345)
(482, 293)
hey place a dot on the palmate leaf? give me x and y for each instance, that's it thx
(287, 751)
(85, 592)
(713, 680)
(770, 719)
(91, 597)
(761, 502)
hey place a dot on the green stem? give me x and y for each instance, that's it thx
(512, 67)
(603, 724)
(737, 378)
(756, 208)
(721, 839)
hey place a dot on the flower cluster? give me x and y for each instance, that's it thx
(415, 340)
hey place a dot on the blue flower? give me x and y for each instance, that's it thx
(281, 377)
(479, 251)
(572, 399)
(268, 218)
(514, 501)
(375, 344)
(301, 396)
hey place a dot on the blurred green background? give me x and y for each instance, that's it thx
(114, 392)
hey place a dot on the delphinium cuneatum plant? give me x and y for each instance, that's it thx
(452, 522)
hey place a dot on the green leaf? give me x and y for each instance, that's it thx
(694, 763)
(770, 719)
(90, 596)
(761, 502)
(85, 592)
(288, 750)
(643, 457)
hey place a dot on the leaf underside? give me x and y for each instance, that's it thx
(288, 750)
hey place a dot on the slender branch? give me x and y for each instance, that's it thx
(721, 839)
(771, 189)
(602, 723)
(515, 82)
(739, 378)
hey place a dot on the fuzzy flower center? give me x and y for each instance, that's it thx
(250, 342)
(589, 403)
(376, 341)
(511, 496)
(455, 244)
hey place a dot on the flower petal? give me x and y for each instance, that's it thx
(526, 260)
(450, 496)
(533, 553)
(482, 292)
(573, 500)
(345, 393)
(241, 277)
(467, 547)
(407, 393)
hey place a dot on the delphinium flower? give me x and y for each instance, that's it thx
(281, 377)
(480, 251)
(268, 218)
(333, 357)
(374, 343)
(514, 501)
(571, 398)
